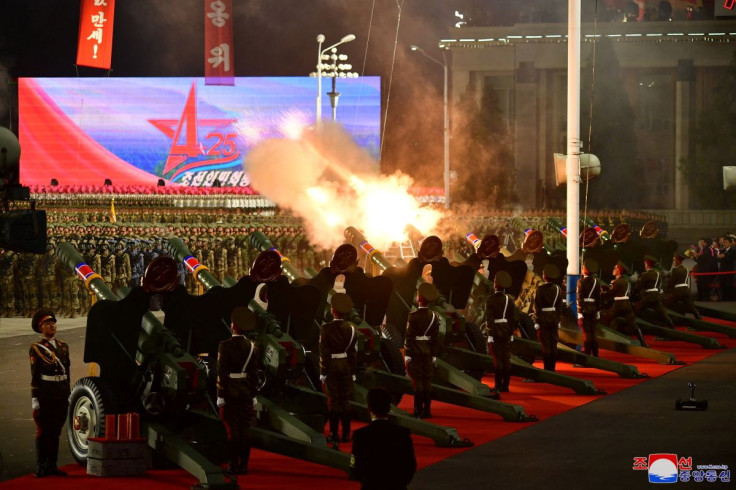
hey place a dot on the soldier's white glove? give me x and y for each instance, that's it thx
(580, 316)
(322, 377)
(434, 361)
(255, 402)
(220, 401)
(511, 338)
(407, 359)
(598, 315)
(536, 326)
(559, 325)
(34, 404)
(354, 378)
(490, 339)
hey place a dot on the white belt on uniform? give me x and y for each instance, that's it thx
(620, 298)
(341, 355)
(238, 375)
(422, 337)
(681, 285)
(652, 290)
(549, 309)
(500, 320)
(589, 300)
(57, 377)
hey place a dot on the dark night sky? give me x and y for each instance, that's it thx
(272, 38)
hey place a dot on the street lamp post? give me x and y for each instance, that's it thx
(320, 54)
(446, 173)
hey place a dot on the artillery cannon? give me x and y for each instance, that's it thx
(144, 368)
(453, 284)
(378, 353)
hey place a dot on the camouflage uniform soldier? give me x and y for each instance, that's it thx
(107, 266)
(8, 261)
(27, 285)
(219, 268)
(50, 290)
(123, 272)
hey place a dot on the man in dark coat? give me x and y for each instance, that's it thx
(502, 318)
(547, 312)
(707, 262)
(589, 305)
(50, 389)
(338, 362)
(383, 453)
(650, 295)
(237, 383)
(421, 347)
(621, 314)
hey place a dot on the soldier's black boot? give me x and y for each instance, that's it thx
(244, 457)
(334, 419)
(233, 456)
(418, 404)
(641, 338)
(426, 412)
(345, 427)
(498, 377)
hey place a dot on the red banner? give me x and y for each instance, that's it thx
(219, 68)
(95, 33)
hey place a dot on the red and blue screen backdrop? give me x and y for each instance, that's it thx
(135, 131)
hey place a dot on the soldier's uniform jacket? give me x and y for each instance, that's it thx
(589, 295)
(50, 369)
(337, 348)
(678, 279)
(422, 335)
(548, 305)
(620, 288)
(502, 316)
(649, 284)
(237, 368)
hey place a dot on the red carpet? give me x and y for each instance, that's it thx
(269, 471)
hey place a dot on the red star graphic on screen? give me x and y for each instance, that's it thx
(187, 151)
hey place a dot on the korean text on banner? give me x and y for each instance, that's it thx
(95, 33)
(219, 68)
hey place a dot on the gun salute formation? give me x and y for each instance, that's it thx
(295, 363)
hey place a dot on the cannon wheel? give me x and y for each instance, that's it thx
(90, 401)
(477, 342)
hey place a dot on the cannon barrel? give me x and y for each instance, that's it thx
(262, 243)
(357, 239)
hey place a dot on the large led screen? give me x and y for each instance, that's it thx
(135, 131)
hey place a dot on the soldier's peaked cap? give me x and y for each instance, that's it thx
(243, 318)
(503, 279)
(428, 291)
(341, 302)
(650, 258)
(551, 271)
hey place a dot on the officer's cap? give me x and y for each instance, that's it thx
(243, 318)
(342, 303)
(502, 279)
(41, 316)
(551, 271)
(650, 259)
(591, 266)
(428, 291)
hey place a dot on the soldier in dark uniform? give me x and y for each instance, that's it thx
(50, 389)
(337, 365)
(502, 317)
(648, 287)
(621, 314)
(677, 291)
(546, 313)
(136, 264)
(237, 383)
(589, 305)
(8, 260)
(421, 347)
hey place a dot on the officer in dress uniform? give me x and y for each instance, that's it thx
(337, 365)
(621, 314)
(546, 313)
(589, 305)
(648, 287)
(678, 288)
(237, 383)
(502, 318)
(421, 346)
(50, 389)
